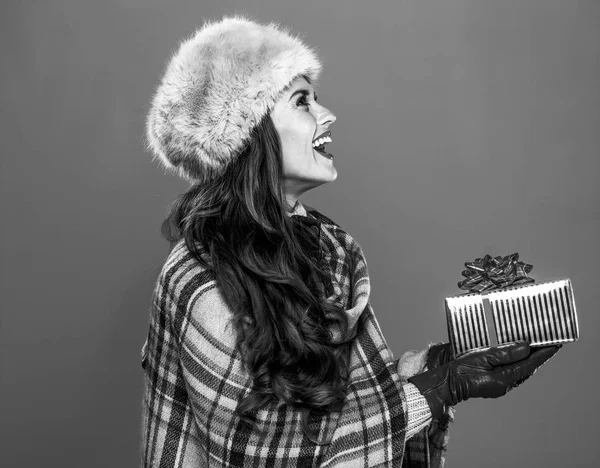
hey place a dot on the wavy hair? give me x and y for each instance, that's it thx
(237, 225)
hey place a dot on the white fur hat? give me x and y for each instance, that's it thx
(218, 85)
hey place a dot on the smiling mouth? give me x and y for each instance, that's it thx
(320, 142)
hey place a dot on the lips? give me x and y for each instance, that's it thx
(327, 133)
(320, 149)
(323, 153)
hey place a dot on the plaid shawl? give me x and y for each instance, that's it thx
(194, 379)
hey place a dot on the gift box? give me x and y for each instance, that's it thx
(519, 309)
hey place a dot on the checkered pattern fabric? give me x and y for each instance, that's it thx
(194, 379)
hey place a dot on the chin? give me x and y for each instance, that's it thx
(333, 176)
(325, 180)
(325, 175)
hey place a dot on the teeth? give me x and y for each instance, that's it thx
(320, 141)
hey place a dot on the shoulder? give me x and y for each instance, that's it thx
(196, 322)
(188, 292)
(182, 273)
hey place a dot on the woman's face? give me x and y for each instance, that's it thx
(300, 120)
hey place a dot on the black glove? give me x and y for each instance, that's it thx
(438, 355)
(488, 373)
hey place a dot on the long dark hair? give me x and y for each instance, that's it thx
(237, 225)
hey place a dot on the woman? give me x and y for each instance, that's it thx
(263, 349)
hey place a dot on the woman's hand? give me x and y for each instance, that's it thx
(438, 355)
(487, 373)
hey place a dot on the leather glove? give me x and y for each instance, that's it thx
(488, 373)
(438, 355)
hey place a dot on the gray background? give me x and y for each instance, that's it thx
(464, 127)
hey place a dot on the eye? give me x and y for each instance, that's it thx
(302, 101)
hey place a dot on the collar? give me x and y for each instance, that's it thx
(300, 214)
(298, 209)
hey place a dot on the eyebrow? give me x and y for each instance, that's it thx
(304, 92)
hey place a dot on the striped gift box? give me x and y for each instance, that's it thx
(539, 313)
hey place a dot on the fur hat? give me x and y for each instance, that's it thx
(218, 85)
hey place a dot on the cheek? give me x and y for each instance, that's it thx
(299, 132)
(296, 132)
(297, 138)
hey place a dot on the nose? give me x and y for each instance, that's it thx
(325, 117)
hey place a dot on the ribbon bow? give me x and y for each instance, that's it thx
(495, 272)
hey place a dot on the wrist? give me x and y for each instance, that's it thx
(433, 385)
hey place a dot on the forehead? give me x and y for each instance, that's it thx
(298, 83)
